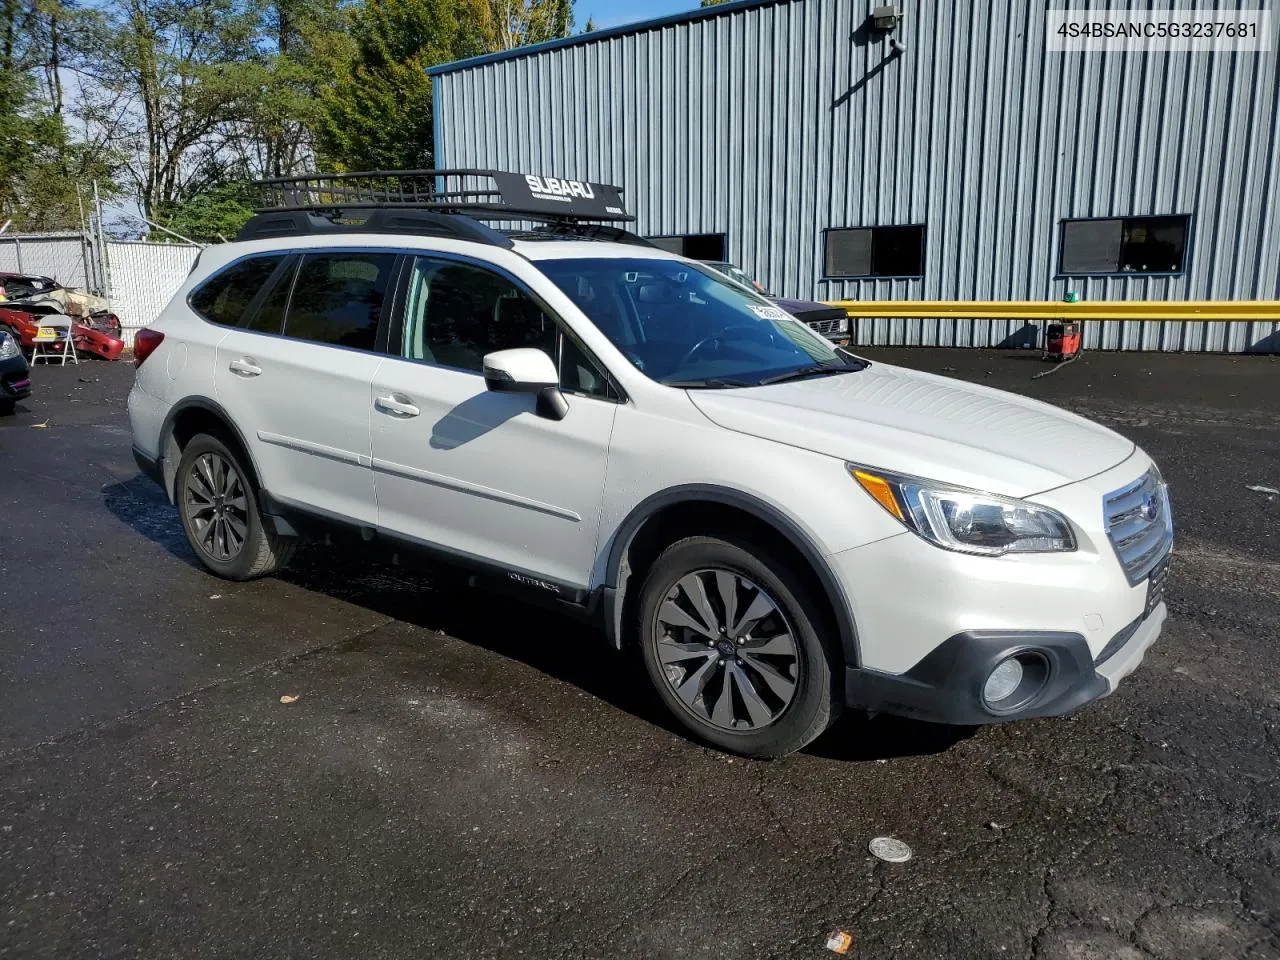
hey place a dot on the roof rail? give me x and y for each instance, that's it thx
(293, 223)
(482, 194)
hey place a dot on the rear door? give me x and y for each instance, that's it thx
(296, 376)
(481, 473)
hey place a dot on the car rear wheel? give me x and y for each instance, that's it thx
(734, 647)
(218, 505)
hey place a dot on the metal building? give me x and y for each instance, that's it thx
(786, 135)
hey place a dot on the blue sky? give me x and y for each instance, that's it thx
(612, 13)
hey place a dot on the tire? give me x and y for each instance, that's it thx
(7, 407)
(779, 669)
(216, 511)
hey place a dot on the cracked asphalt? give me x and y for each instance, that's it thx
(466, 776)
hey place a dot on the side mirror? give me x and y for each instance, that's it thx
(527, 370)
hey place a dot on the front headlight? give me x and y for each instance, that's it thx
(969, 521)
(8, 346)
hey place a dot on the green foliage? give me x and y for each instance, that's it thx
(376, 113)
(214, 214)
(712, 3)
(517, 23)
(180, 102)
(41, 169)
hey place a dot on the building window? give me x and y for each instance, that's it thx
(875, 252)
(695, 246)
(1125, 245)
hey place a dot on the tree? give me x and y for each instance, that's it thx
(211, 215)
(166, 87)
(376, 113)
(517, 23)
(712, 3)
(41, 165)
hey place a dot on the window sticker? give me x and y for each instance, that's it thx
(769, 313)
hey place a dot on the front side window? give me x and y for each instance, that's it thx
(685, 325)
(223, 298)
(455, 313)
(1125, 245)
(338, 298)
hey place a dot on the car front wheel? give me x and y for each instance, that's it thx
(734, 647)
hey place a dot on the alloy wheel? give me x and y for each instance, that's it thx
(216, 506)
(726, 650)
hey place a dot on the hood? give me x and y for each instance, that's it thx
(924, 425)
(809, 309)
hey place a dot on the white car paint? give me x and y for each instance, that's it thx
(427, 453)
(477, 472)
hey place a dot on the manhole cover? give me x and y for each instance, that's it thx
(890, 849)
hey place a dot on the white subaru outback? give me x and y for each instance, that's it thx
(783, 528)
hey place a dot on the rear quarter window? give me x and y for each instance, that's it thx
(224, 297)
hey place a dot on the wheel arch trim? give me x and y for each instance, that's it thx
(170, 470)
(614, 593)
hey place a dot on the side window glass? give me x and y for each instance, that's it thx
(455, 313)
(269, 317)
(578, 374)
(222, 299)
(338, 297)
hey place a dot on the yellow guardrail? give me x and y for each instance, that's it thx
(1213, 310)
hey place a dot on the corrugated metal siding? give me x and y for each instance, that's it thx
(772, 123)
(144, 278)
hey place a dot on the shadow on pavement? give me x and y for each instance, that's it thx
(438, 598)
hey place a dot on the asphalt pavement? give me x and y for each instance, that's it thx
(465, 776)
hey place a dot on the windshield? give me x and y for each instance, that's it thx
(736, 273)
(684, 325)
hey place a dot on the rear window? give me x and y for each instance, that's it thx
(338, 298)
(224, 297)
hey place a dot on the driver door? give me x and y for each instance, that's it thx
(480, 473)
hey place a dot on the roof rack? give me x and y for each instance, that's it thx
(433, 202)
(484, 194)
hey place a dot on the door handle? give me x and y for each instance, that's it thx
(396, 406)
(244, 367)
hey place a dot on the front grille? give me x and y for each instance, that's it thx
(1139, 525)
(829, 327)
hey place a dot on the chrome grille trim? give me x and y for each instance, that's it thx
(1140, 541)
(828, 327)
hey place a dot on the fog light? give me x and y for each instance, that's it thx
(1003, 681)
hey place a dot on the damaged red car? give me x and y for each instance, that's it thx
(30, 298)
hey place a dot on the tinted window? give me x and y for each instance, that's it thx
(338, 298)
(224, 297)
(269, 316)
(455, 313)
(1124, 245)
(875, 252)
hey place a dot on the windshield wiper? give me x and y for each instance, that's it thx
(816, 370)
(710, 383)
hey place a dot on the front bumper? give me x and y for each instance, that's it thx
(946, 686)
(15, 379)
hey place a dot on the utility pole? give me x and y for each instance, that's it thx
(102, 245)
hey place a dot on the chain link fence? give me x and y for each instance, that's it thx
(73, 259)
(138, 279)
